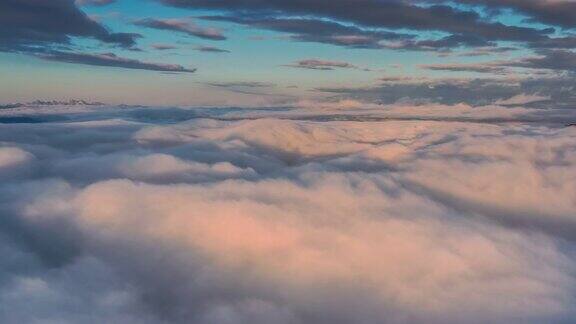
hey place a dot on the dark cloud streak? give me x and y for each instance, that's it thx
(210, 49)
(97, 3)
(322, 65)
(558, 13)
(182, 26)
(111, 60)
(319, 31)
(28, 25)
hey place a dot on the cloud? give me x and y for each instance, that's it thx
(323, 65)
(210, 49)
(522, 99)
(318, 214)
(163, 47)
(98, 3)
(111, 60)
(320, 31)
(551, 60)
(36, 28)
(256, 231)
(13, 156)
(478, 68)
(555, 12)
(261, 89)
(444, 44)
(14, 162)
(555, 43)
(31, 25)
(375, 14)
(448, 91)
(472, 91)
(245, 84)
(395, 24)
(59, 295)
(182, 26)
(556, 60)
(485, 51)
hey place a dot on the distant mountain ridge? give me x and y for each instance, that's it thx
(71, 102)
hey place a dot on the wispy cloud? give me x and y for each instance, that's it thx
(210, 49)
(245, 84)
(183, 26)
(319, 31)
(479, 68)
(323, 65)
(163, 47)
(112, 60)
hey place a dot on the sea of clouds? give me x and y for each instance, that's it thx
(319, 214)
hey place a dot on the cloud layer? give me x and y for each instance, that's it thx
(322, 214)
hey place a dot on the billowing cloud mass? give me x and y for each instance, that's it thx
(327, 213)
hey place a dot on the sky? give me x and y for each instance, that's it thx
(258, 53)
(287, 161)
